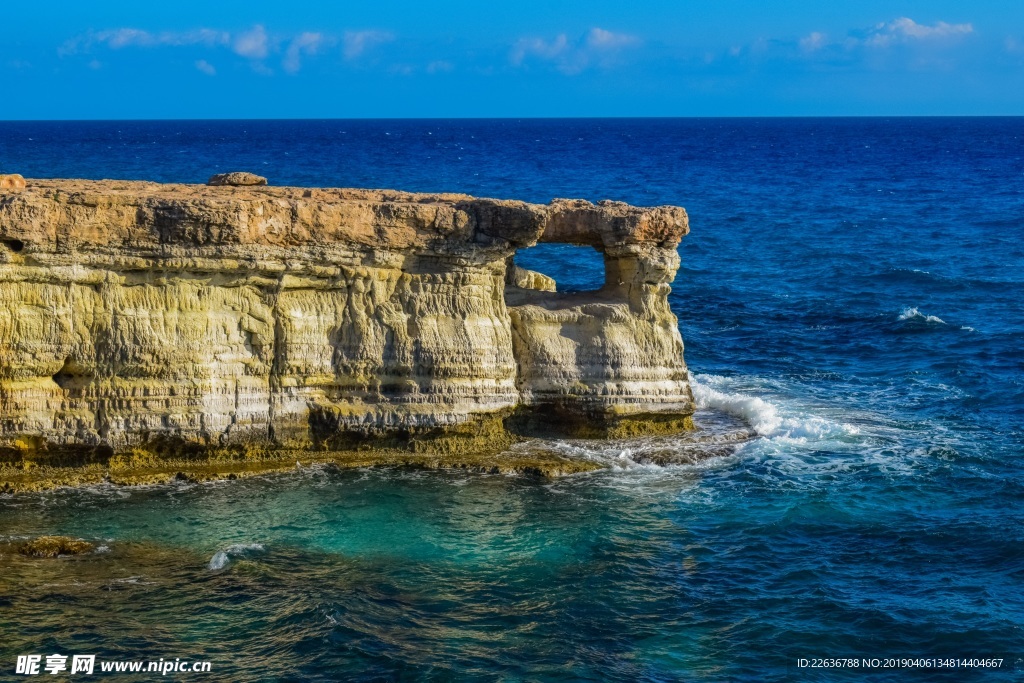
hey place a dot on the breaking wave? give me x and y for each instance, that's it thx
(222, 558)
(764, 417)
(909, 313)
(805, 439)
(755, 421)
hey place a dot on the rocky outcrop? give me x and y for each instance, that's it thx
(11, 181)
(608, 362)
(140, 315)
(236, 179)
(54, 546)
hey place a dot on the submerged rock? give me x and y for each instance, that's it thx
(143, 323)
(53, 546)
(237, 179)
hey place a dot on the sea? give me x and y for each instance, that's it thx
(851, 290)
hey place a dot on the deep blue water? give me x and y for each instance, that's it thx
(851, 287)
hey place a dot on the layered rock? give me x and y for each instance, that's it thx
(609, 362)
(135, 312)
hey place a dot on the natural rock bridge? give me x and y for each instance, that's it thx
(136, 314)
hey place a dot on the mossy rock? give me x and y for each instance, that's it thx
(480, 444)
(565, 421)
(479, 434)
(54, 546)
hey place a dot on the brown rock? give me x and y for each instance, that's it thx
(11, 181)
(143, 319)
(610, 224)
(237, 179)
(53, 546)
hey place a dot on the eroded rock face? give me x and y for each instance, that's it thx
(609, 362)
(132, 312)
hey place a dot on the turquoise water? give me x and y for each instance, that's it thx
(850, 290)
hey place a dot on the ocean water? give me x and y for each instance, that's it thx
(851, 290)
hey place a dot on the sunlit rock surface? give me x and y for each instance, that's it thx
(135, 313)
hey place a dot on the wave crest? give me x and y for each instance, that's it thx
(222, 558)
(765, 417)
(909, 313)
(762, 416)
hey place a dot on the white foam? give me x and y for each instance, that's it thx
(239, 548)
(914, 314)
(762, 416)
(802, 440)
(219, 561)
(222, 558)
(766, 418)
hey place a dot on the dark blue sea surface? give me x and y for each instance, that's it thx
(852, 288)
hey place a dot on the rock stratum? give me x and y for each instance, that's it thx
(143, 321)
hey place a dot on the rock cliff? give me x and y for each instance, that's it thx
(138, 315)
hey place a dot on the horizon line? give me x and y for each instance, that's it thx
(526, 118)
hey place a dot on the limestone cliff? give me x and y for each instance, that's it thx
(134, 313)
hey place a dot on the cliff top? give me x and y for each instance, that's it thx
(57, 214)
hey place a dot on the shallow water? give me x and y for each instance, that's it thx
(851, 290)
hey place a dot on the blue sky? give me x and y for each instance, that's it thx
(391, 58)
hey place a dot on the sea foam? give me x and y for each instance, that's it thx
(222, 558)
(764, 417)
(730, 413)
(914, 314)
(800, 439)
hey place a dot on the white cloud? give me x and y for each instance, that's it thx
(904, 30)
(606, 40)
(206, 67)
(252, 44)
(596, 46)
(813, 42)
(356, 43)
(538, 47)
(124, 37)
(255, 44)
(899, 39)
(120, 38)
(439, 67)
(304, 43)
(204, 36)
